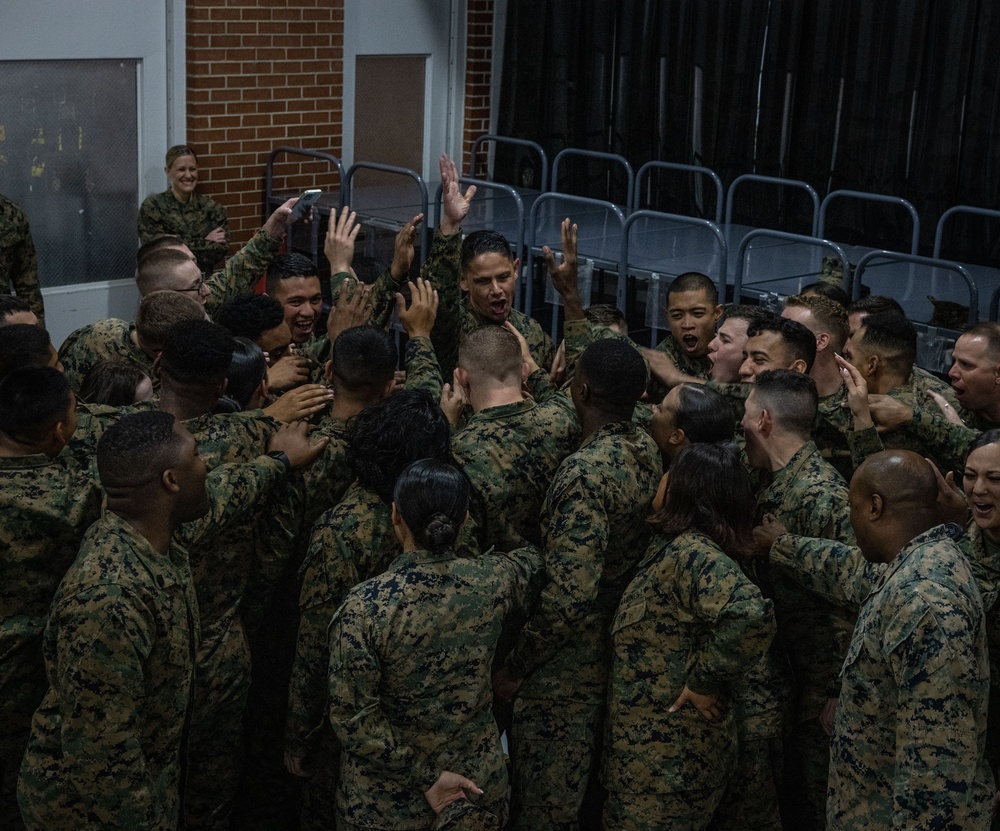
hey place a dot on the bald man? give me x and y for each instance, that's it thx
(910, 733)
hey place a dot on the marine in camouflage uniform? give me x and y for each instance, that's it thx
(18, 263)
(697, 366)
(119, 653)
(809, 497)
(162, 214)
(689, 618)
(242, 271)
(409, 683)
(594, 534)
(910, 736)
(46, 505)
(105, 340)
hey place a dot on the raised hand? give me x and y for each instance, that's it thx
(404, 251)
(455, 204)
(565, 274)
(857, 394)
(418, 319)
(353, 308)
(339, 243)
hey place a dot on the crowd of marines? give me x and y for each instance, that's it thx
(252, 575)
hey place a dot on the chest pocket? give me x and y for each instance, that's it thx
(629, 615)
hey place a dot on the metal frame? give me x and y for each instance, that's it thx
(425, 234)
(958, 209)
(774, 180)
(872, 197)
(688, 168)
(595, 154)
(787, 237)
(931, 262)
(544, 179)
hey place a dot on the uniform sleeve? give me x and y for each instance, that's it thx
(150, 222)
(24, 270)
(945, 441)
(933, 661)
(741, 622)
(863, 443)
(75, 357)
(442, 269)
(422, 370)
(206, 252)
(355, 708)
(242, 270)
(830, 569)
(575, 538)
(102, 644)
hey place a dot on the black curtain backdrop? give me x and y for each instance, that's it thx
(894, 98)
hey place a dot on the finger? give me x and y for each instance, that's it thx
(549, 257)
(416, 221)
(470, 193)
(680, 702)
(400, 304)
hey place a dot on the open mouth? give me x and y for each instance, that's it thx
(982, 509)
(689, 342)
(498, 308)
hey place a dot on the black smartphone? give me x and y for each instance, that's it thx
(306, 201)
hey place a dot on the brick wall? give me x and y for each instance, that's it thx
(260, 74)
(478, 74)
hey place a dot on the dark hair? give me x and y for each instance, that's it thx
(157, 244)
(694, 281)
(11, 304)
(112, 383)
(433, 498)
(136, 449)
(196, 352)
(493, 351)
(158, 311)
(22, 344)
(386, 437)
(615, 373)
(363, 361)
(605, 314)
(157, 268)
(829, 291)
(246, 370)
(742, 311)
(798, 340)
(790, 397)
(250, 315)
(875, 303)
(285, 266)
(893, 338)
(178, 150)
(484, 242)
(704, 415)
(709, 491)
(984, 439)
(32, 401)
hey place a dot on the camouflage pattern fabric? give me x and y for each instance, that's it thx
(696, 367)
(119, 654)
(242, 271)
(162, 214)
(422, 370)
(594, 533)
(18, 263)
(46, 506)
(832, 431)
(105, 340)
(689, 618)
(409, 681)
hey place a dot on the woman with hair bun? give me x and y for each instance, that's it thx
(410, 654)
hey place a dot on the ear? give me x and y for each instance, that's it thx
(169, 480)
(677, 437)
(765, 424)
(875, 507)
(524, 372)
(155, 370)
(463, 283)
(517, 267)
(462, 377)
(874, 366)
(717, 312)
(822, 341)
(328, 371)
(389, 387)
(798, 366)
(585, 392)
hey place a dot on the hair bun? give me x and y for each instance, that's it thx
(439, 532)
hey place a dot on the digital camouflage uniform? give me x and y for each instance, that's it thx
(162, 214)
(984, 559)
(922, 382)
(409, 683)
(105, 340)
(46, 505)
(809, 497)
(510, 454)
(242, 271)
(832, 429)
(119, 654)
(910, 735)
(689, 617)
(695, 366)
(594, 532)
(18, 263)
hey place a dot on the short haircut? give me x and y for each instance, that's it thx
(875, 303)
(250, 315)
(791, 399)
(32, 401)
(984, 439)
(709, 491)
(604, 314)
(798, 340)
(22, 344)
(616, 374)
(704, 415)
(196, 352)
(830, 315)
(484, 242)
(178, 150)
(160, 243)
(159, 310)
(286, 266)
(363, 361)
(742, 311)
(433, 498)
(829, 291)
(694, 281)
(407, 426)
(157, 270)
(111, 383)
(990, 332)
(893, 338)
(247, 369)
(11, 304)
(137, 449)
(492, 352)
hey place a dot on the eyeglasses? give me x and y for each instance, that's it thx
(196, 287)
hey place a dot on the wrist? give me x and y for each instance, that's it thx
(281, 456)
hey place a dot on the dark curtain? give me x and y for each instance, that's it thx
(892, 98)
